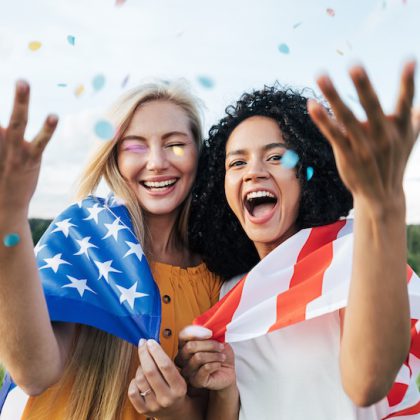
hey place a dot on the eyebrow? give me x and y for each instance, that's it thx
(164, 137)
(266, 148)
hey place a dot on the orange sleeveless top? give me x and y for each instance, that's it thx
(185, 294)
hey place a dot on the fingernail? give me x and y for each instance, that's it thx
(142, 341)
(22, 86)
(52, 119)
(152, 343)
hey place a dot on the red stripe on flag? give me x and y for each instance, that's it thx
(409, 273)
(216, 320)
(306, 283)
(396, 395)
(415, 409)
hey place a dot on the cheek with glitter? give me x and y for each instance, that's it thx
(178, 151)
(10, 240)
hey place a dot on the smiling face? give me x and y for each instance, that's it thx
(157, 155)
(263, 194)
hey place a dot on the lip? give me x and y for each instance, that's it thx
(159, 178)
(259, 220)
(161, 192)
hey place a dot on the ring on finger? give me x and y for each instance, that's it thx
(145, 393)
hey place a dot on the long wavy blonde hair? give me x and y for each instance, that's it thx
(99, 366)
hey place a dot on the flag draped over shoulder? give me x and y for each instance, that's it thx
(94, 272)
(305, 277)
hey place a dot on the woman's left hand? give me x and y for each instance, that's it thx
(158, 389)
(371, 155)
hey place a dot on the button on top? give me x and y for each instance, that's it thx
(167, 332)
(166, 298)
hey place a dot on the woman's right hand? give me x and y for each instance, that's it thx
(205, 363)
(20, 161)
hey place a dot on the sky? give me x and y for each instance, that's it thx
(222, 48)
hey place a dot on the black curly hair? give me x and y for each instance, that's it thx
(214, 231)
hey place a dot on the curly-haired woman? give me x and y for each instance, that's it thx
(341, 364)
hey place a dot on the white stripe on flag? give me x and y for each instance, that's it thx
(14, 405)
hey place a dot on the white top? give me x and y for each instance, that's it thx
(293, 374)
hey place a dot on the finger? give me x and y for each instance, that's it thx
(136, 399)
(342, 112)
(43, 137)
(166, 367)
(192, 347)
(151, 371)
(202, 378)
(19, 117)
(328, 127)
(406, 95)
(200, 359)
(415, 120)
(368, 99)
(193, 332)
(141, 381)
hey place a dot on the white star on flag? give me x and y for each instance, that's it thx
(114, 228)
(105, 268)
(38, 248)
(63, 226)
(54, 262)
(130, 294)
(134, 249)
(79, 284)
(84, 246)
(94, 212)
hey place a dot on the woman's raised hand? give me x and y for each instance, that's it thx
(371, 155)
(20, 160)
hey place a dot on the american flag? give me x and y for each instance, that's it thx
(305, 277)
(94, 272)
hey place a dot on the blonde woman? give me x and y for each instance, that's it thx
(73, 371)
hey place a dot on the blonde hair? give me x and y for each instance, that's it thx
(98, 371)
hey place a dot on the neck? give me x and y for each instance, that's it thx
(264, 248)
(163, 243)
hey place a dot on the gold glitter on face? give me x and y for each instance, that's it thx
(178, 151)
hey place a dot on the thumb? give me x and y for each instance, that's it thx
(194, 332)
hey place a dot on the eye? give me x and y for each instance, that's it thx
(176, 148)
(136, 148)
(275, 158)
(236, 163)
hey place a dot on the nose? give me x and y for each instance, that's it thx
(255, 169)
(156, 159)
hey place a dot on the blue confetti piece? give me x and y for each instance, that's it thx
(296, 25)
(98, 82)
(71, 39)
(104, 130)
(309, 173)
(289, 159)
(125, 81)
(206, 82)
(284, 49)
(12, 239)
(62, 84)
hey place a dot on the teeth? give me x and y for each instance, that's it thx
(256, 194)
(161, 184)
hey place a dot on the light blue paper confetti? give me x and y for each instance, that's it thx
(309, 173)
(297, 24)
(284, 49)
(71, 39)
(104, 130)
(62, 84)
(98, 82)
(289, 159)
(12, 239)
(125, 81)
(206, 82)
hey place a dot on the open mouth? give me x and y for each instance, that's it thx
(260, 203)
(159, 185)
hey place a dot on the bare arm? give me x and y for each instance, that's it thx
(371, 157)
(32, 351)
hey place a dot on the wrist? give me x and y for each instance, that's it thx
(393, 210)
(226, 393)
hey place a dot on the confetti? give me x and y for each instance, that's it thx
(104, 130)
(309, 172)
(330, 12)
(79, 90)
(125, 81)
(206, 82)
(340, 52)
(98, 82)
(178, 151)
(71, 39)
(62, 84)
(349, 45)
(12, 239)
(284, 49)
(119, 2)
(289, 159)
(34, 45)
(296, 25)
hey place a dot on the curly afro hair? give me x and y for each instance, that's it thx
(214, 231)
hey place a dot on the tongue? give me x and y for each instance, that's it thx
(262, 210)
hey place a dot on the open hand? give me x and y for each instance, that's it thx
(20, 160)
